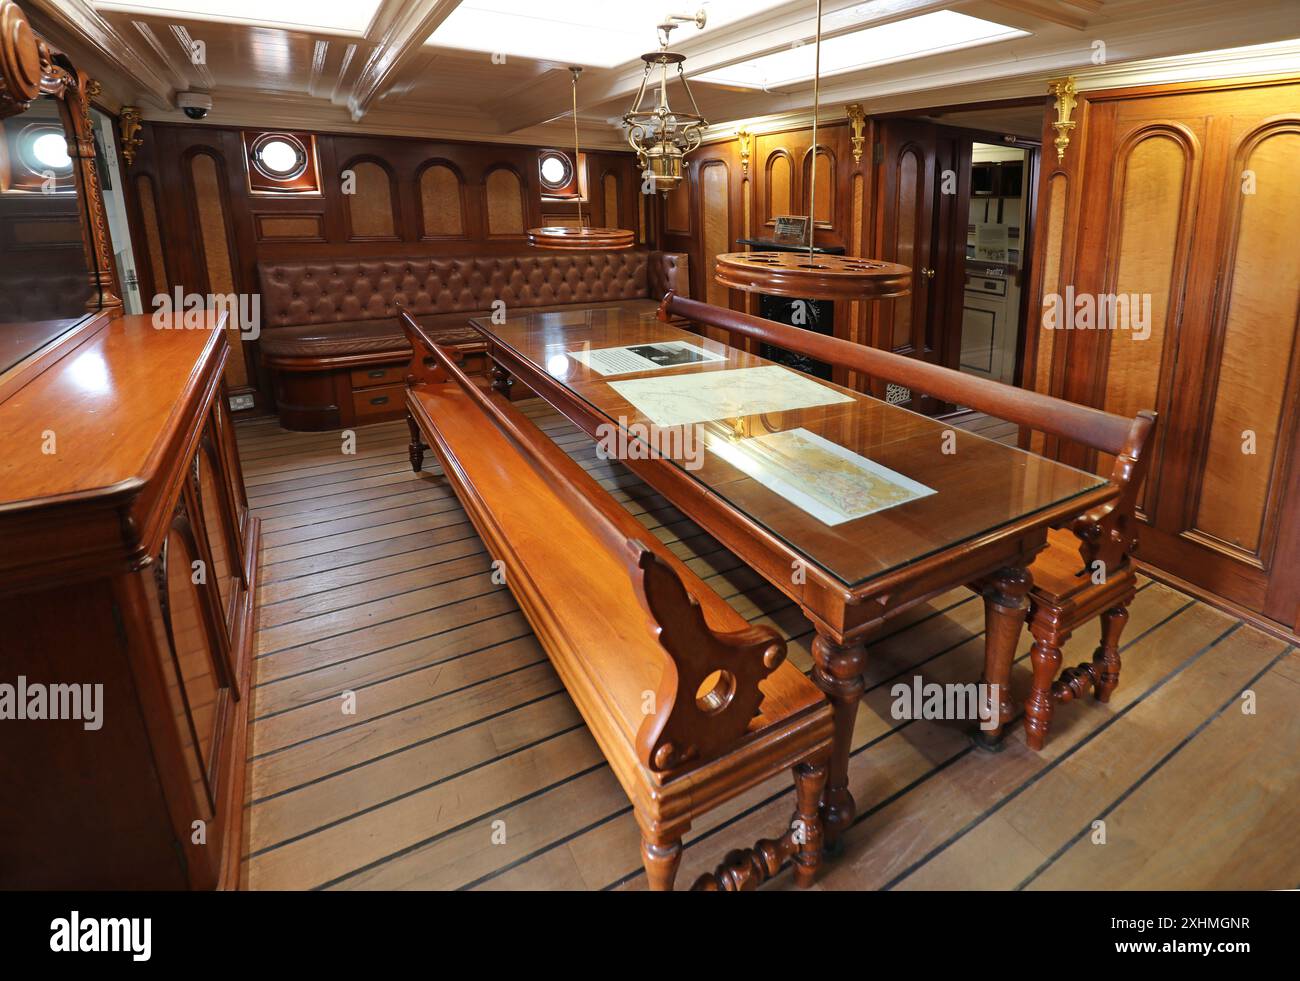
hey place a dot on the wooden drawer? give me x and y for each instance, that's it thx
(371, 403)
(389, 374)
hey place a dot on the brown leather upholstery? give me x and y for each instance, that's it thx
(382, 336)
(349, 306)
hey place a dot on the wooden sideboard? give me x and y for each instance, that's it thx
(128, 559)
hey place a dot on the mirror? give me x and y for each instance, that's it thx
(45, 279)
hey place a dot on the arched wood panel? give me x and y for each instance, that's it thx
(909, 228)
(147, 195)
(370, 206)
(826, 184)
(677, 209)
(715, 219)
(504, 195)
(442, 201)
(610, 194)
(779, 184)
(1153, 219)
(1256, 371)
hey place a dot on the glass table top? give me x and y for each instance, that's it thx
(855, 485)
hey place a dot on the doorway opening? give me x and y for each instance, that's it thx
(995, 266)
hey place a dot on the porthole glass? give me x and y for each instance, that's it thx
(51, 150)
(279, 157)
(44, 150)
(556, 170)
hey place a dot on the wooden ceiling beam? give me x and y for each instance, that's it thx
(1045, 10)
(398, 31)
(83, 23)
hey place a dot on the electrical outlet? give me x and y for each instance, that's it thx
(241, 402)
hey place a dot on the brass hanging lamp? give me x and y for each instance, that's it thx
(660, 135)
(580, 238)
(809, 274)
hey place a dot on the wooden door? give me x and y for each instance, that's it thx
(1189, 208)
(907, 190)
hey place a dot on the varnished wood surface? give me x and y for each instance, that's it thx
(980, 486)
(374, 582)
(120, 381)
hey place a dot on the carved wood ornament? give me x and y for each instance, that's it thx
(1063, 89)
(857, 122)
(29, 68)
(131, 124)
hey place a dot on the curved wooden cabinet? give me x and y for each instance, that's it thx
(129, 563)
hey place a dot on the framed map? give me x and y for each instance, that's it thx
(679, 400)
(831, 483)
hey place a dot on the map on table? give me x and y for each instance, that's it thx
(831, 483)
(678, 400)
(644, 357)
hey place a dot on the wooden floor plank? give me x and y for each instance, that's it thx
(460, 761)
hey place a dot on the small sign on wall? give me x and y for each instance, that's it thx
(791, 230)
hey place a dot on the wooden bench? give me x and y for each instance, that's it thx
(1086, 569)
(689, 703)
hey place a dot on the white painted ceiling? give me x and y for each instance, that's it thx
(497, 69)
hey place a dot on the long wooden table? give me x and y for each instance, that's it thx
(987, 516)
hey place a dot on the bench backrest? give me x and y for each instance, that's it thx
(1107, 535)
(326, 290)
(685, 724)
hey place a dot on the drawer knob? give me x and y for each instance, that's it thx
(379, 400)
(376, 373)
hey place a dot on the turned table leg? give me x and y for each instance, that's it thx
(417, 447)
(1005, 605)
(809, 784)
(1105, 661)
(838, 673)
(661, 857)
(1046, 658)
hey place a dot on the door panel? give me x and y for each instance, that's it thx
(1256, 373)
(1188, 196)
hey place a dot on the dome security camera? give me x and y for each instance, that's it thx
(196, 105)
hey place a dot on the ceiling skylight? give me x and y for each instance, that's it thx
(899, 41)
(594, 35)
(333, 16)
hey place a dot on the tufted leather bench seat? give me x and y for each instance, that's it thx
(331, 337)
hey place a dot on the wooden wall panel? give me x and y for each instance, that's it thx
(442, 204)
(779, 199)
(825, 202)
(505, 203)
(1187, 193)
(1259, 344)
(715, 217)
(210, 206)
(677, 207)
(408, 205)
(909, 200)
(610, 196)
(150, 230)
(370, 206)
(1154, 170)
(290, 227)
